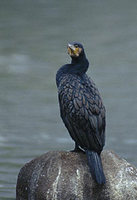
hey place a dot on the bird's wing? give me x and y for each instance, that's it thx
(83, 114)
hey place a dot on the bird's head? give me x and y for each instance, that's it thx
(75, 49)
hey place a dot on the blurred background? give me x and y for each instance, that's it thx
(33, 40)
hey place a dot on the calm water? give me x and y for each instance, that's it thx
(33, 39)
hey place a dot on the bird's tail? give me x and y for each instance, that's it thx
(95, 165)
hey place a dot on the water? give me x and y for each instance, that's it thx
(33, 38)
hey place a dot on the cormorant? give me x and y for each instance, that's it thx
(81, 109)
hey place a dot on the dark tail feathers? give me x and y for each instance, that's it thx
(95, 165)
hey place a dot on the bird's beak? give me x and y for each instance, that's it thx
(73, 51)
(71, 46)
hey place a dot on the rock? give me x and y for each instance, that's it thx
(66, 176)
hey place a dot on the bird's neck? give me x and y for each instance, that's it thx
(79, 65)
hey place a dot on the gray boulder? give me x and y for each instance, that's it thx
(66, 176)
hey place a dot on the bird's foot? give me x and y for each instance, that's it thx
(78, 150)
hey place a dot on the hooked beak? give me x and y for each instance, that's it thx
(71, 46)
(73, 51)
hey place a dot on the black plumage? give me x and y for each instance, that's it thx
(81, 109)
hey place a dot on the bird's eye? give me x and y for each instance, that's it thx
(76, 46)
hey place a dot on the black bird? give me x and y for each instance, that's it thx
(81, 109)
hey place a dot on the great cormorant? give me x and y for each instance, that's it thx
(81, 109)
